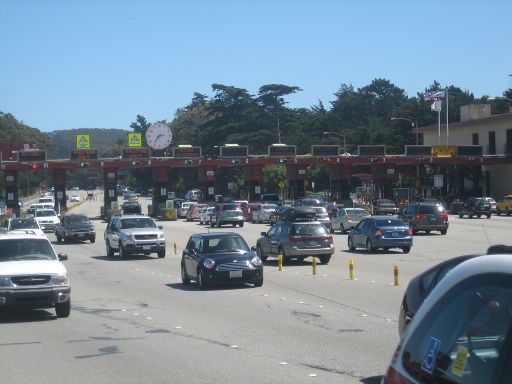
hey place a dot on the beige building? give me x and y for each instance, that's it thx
(479, 127)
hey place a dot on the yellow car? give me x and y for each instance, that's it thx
(504, 206)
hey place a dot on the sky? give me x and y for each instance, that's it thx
(99, 63)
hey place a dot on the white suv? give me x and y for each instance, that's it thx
(47, 219)
(32, 275)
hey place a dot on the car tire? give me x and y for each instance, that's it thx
(219, 224)
(241, 224)
(498, 212)
(331, 229)
(92, 239)
(351, 245)
(184, 279)
(406, 249)
(443, 231)
(478, 216)
(324, 259)
(161, 253)
(258, 284)
(461, 215)
(427, 232)
(259, 252)
(63, 309)
(110, 251)
(59, 239)
(507, 212)
(369, 246)
(488, 215)
(211, 223)
(122, 255)
(201, 280)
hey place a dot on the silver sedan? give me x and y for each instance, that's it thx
(347, 218)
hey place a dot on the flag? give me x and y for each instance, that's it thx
(436, 105)
(434, 95)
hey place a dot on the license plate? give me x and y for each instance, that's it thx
(312, 243)
(432, 219)
(81, 235)
(146, 247)
(235, 274)
(395, 234)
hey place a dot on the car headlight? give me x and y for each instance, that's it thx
(209, 263)
(5, 281)
(61, 279)
(256, 261)
(161, 236)
(92, 228)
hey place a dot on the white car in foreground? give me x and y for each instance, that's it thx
(32, 275)
(47, 219)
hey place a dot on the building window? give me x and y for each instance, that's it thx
(508, 145)
(492, 143)
(475, 138)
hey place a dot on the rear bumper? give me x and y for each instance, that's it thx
(383, 242)
(34, 298)
(430, 227)
(293, 251)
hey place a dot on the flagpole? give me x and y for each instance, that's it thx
(439, 126)
(447, 131)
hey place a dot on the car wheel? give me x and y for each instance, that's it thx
(241, 224)
(211, 223)
(443, 231)
(406, 249)
(184, 279)
(331, 229)
(234, 225)
(110, 251)
(351, 245)
(59, 239)
(369, 246)
(324, 259)
(218, 224)
(414, 232)
(122, 256)
(258, 283)
(342, 228)
(200, 222)
(201, 280)
(488, 215)
(507, 212)
(259, 252)
(427, 232)
(498, 212)
(161, 253)
(478, 216)
(63, 309)
(461, 215)
(92, 239)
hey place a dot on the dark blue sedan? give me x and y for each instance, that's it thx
(381, 232)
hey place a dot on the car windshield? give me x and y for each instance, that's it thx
(357, 211)
(45, 212)
(389, 223)
(319, 210)
(308, 229)
(24, 224)
(231, 213)
(224, 244)
(431, 209)
(26, 249)
(139, 222)
(77, 219)
(269, 207)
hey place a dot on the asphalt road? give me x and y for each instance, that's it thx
(133, 321)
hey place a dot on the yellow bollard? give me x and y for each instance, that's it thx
(280, 262)
(175, 248)
(314, 265)
(351, 269)
(396, 273)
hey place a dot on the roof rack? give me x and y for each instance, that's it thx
(298, 214)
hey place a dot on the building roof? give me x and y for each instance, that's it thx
(485, 120)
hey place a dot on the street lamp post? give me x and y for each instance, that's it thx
(339, 135)
(414, 125)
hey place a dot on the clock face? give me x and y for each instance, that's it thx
(159, 136)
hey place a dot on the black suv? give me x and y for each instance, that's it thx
(475, 206)
(75, 227)
(425, 217)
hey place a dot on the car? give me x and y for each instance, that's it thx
(420, 286)
(243, 204)
(47, 199)
(504, 206)
(23, 225)
(131, 207)
(47, 219)
(220, 257)
(323, 217)
(194, 212)
(347, 218)
(254, 210)
(425, 217)
(205, 216)
(270, 198)
(75, 227)
(227, 216)
(475, 206)
(265, 212)
(33, 207)
(462, 332)
(307, 202)
(184, 207)
(74, 199)
(298, 236)
(131, 234)
(384, 207)
(193, 195)
(384, 232)
(32, 275)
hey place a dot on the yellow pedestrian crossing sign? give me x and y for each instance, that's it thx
(281, 184)
(83, 141)
(135, 139)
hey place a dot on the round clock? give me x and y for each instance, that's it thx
(159, 136)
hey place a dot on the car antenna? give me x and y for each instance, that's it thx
(486, 235)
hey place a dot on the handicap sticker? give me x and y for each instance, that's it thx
(430, 359)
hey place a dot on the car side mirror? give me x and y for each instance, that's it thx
(62, 256)
(264, 234)
(254, 249)
(160, 227)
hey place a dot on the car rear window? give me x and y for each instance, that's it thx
(389, 223)
(308, 229)
(431, 209)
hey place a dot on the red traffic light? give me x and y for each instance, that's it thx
(35, 166)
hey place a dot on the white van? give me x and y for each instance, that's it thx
(193, 195)
(47, 199)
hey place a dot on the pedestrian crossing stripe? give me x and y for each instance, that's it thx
(83, 141)
(135, 139)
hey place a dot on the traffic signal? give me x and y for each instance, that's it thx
(35, 166)
(281, 161)
(187, 162)
(83, 164)
(235, 161)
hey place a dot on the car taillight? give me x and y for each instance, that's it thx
(408, 231)
(444, 215)
(349, 217)
(295, 238)
(378, 232)
(328, 237)
(420, 216)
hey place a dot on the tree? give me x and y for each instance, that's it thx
(273, 175)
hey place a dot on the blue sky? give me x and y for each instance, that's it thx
(98, 63)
